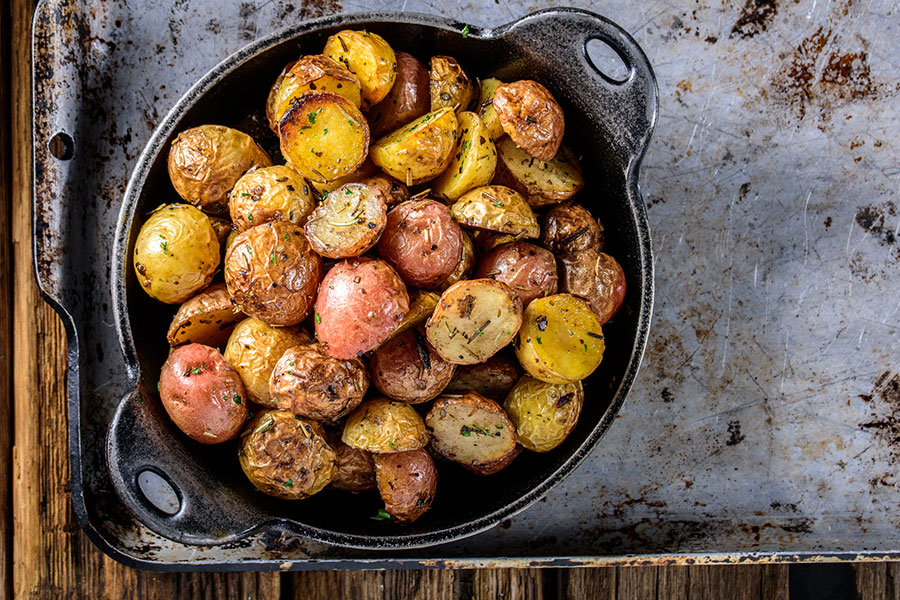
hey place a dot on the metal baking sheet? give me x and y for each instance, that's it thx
(765, 422)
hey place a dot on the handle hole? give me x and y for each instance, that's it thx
(159, 491)
(62, 146)
(607, 60)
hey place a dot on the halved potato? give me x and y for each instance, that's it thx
(314, 72)
(348, 221)
(473, 431)
(540, 182)
(420, 151)
(486, 109)
(544, 413)
(474, 164)
(394, 191)
(531, 116)
(561, 340)
(380, 425)
(496, 208)
(207, 318)
(368, 56)
(276, 193)
(421, 305)
(449, 85)
(324, 136)
(474, 320)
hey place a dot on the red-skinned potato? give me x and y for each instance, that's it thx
(408, 99)
(530, 116)
(407, 482)
(597, 277)
(204, 397)
(406, 368)
(529, 270)
(361, 301)
(355, 467)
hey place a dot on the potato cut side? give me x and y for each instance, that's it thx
(540, 182)
(368, 56)
(474, 163)
(420, 151)
(544, 413)
(324, 136)
(381, 425)
(348, 221)
(486, 109)
(449, 85)
(496, 208)
(207, 318)
(474, 320)
(311, 73)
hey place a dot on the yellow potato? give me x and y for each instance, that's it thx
(314, 72)
(544, 413)
(496, 208)
(561, 340)
(449, 86)
(419, 151)
(369, 57)
(207, 318)
(276, 193)
(474, 164)
(348, 221)
(486, 109)
(381, 425)
(540, 182)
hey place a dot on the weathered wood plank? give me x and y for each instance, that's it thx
(599, 583)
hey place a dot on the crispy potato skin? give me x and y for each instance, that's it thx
(368, 56)
(407, 482)
(408, 99)
(568, 228)
(596, 277)
(207, 318)
(419, 151)
(449, 86)
(348, 221)
(394, 191)
(528, 270)
(202, 394)
(309, 383)
(276, 193)
(206, 161)
(361, 301)
(496, 208)
(253, 349)
(272, 273)
(286, 457)
(380, 425)
(466, 263)
(406, 368)
(530, 116)
(544, 413)
(474, 164)
(314, 72)
(176, 253)
(422, 242)
(355, 468)
(493, 378)
(273, 94)
(485, 108)
(485, 241)
(541, 183)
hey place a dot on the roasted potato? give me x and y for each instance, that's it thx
(529, 270)
(419, 151)
(485, 241)
(406, 368)
(422, 242)
(465, 265)
(597, 278)
(421, 305)
(176, 253)
(380, 425)
(544, 413)
(394, 191)
(309, 383)
(541, 183)
(286, 456)
(253, 349)
(221, 226)
(561, 340)
(569, 228)
(449, 85)
(474, 164)
(202, 394)
(407, 482)
(348, 221)
(473, 320)
(493, 378)
(368, 56)
(228, 242)
(324, 136)
(531, 117)
(355, 468)
(366, 169)
(473, 431)
(276, 193)
(206, 161)
(407, 100)
(361, 301)
(207, 318)
(486, 110)
(314, 72)
(272, 273)
(496, 208)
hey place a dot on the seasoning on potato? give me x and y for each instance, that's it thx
(449, 85)
(493, 378)
(597, 277)
(485, 108)
(407, 482)
(544, 413)
(496, 208)
(176, 253)
(314, 72)
(348, 221)
(473, 166)
(203, 396)
(528, 270)
(394, 191)
(207, 318)
(380, 425)
(531, 116)
(368, 56)
(406, 368)
(285, 456)
(206, 161)
(276, 193)
(569, 227)
(541, 183)
(419, 151)
(407, 100)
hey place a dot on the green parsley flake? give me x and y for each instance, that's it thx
(165, 247)
(381, 515)
(289, 483)
(237, 399)
(465, 31)
(318, 318)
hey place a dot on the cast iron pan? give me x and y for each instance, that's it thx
(201, 496)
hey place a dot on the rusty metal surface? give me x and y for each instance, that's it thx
(765, 422)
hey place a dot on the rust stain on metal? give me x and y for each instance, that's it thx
(755, 18)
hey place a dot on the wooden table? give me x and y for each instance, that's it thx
(43, 552)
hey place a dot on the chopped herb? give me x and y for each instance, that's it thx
(297, 417)
(347, 191)
(585, 347)
(312, 117)
(498, 204)
(289, 483)
(392, 445)
(285, 236)
(499, 426)
(237, 399)
(245, 195)
(539, 341)
(273, 259)
(595, 335)
(165, 247)
(318, 318)
(420, 503)
(465, 31)
(325, 132)
(250, 217)
(464, 431)
(157, 386)
(195, 370)
(381, 515)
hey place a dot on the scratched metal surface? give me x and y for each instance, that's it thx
(766, 417)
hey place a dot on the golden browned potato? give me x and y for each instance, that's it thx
(406, 368)
(253, 349)
(368, 56)
(419, 151)
(394, 191)
(541, 183)
(272, 273)
(465, 265)
(276, 193)
(544, 413)
(314, 72)
(232, 235)
(355, 468)
(493, 378)
(474, 164)
(366, 169)
(273, 92)
(380, 425)
(407, 482)
(324, 136)
(309, 383)
(206, 161)
(473, 431)
(496, 208)
(421, 305)
(530, 116)
(207, 318)
(529, 270)
(569, 228)
(348, 221)
(473, 320)
(407, 100)
(449, 85)
(176, 253)
(597, 278)
(561, 340)
(285, 456)
(486, 110)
